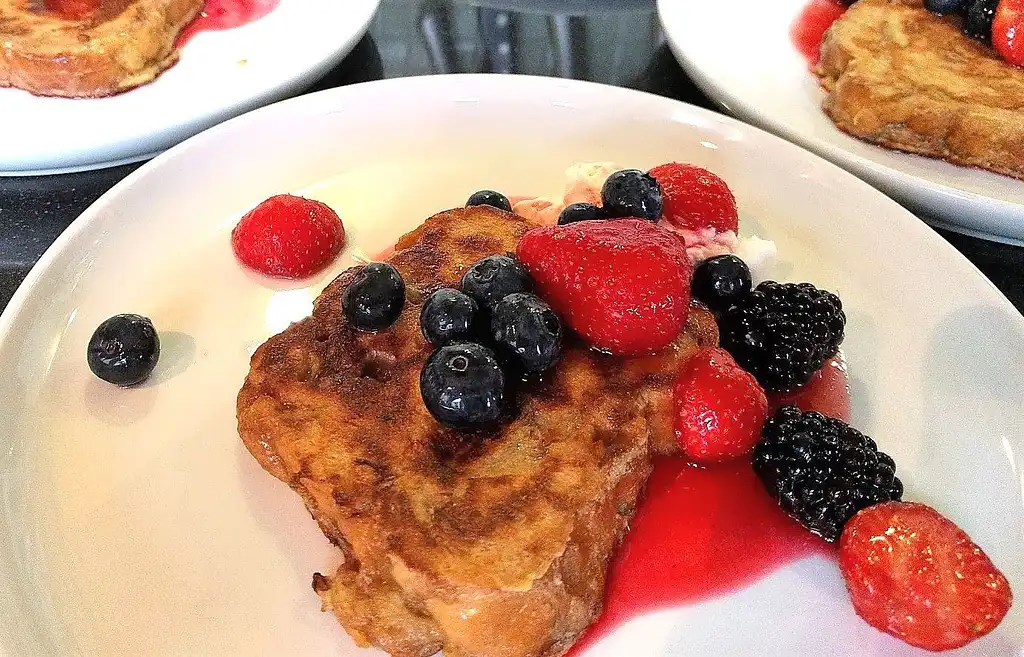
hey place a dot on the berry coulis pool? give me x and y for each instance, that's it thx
(810, 26)
(676, 553)
(225, 15)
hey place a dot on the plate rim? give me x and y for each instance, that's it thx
(920, 192)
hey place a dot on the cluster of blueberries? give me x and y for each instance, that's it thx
(486, 334)
(492, 330)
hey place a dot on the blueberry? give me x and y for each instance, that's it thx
(978, 24)
(632, 193)
(528, 331)
(463, 386)
(124, 349)
(492, 279)
(448, 316)
(491, 198)
(721, 282)
(580, 212)
(944, 6)
(374, 299)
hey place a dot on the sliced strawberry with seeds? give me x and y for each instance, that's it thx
(914, 574)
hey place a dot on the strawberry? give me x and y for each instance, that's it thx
(1008, 31)
(624, 285)
(720, 408)
(288, 237)
(914, 574)
(695, 198)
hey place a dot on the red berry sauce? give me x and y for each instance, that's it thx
(226, 14)
(828, 392)
(702, 532)
(809, 27)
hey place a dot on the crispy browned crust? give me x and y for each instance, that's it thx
(493, 545)
(902, 77)
(127, 44)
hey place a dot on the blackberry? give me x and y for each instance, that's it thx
(821, 470)
(783, 333)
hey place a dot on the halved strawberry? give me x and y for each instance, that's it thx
(695, 199)
(624, 284)
(914, 574)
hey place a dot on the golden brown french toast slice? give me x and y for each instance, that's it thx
(51, 49)
(485, 545)
(901, 77)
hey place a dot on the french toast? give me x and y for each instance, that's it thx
(117, 46)
(901, 77)
(493, 544)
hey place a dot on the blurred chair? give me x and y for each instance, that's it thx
(498, 23)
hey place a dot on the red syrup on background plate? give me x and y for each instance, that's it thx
(702, 532)
(226, 14)
(809, 27)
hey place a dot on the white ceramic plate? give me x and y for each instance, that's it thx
(135, 522)
(748, 64)
(220, 75)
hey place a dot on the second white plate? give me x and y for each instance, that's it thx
(220, 74)
(740, 53)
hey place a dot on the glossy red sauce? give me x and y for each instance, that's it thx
(809, 27)
(828, 392)
(702, 532)
(226, 14)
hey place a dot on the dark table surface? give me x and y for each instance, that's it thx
(615, 42)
